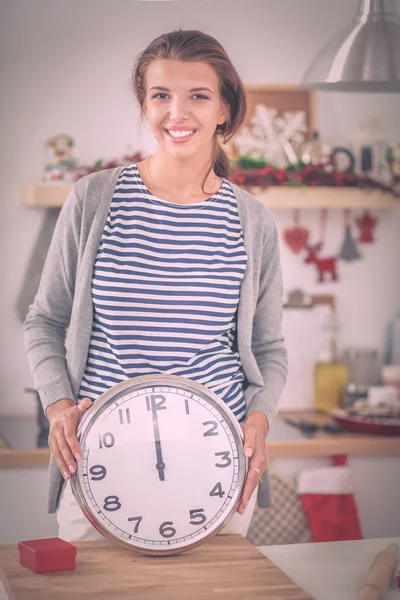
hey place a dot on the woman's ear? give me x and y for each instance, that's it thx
(224, 114)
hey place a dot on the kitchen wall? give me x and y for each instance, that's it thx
(65, 67)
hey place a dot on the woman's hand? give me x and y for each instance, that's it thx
(64, 416)
(255, 429)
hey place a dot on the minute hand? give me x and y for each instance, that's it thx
(160, 465)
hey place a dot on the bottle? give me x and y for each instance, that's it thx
(330, 376)
(315, 152)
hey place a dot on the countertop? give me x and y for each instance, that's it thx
(325, 571)
(330, 570)
(22, 443)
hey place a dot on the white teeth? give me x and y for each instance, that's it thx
(180, 134)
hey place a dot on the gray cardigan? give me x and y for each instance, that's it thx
(58, 326)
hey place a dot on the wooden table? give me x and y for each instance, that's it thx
(227, 567)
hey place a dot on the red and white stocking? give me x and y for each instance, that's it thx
(327, 495)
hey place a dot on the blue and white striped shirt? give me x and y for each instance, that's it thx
(165, 291)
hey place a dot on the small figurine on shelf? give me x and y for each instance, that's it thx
(63, 164)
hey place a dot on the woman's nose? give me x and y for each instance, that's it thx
(179, 110)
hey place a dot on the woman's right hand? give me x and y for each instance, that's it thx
(63, 417)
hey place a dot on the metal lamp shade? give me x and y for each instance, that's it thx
(364, 57)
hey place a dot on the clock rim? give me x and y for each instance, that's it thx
(96, 410)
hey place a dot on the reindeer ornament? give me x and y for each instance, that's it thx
(324, 265)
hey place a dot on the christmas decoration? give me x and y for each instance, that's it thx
(62, 164)
(326, 264)
(248, 173)
(327, 494)
(349, 249)
(278, 139)
(366, 223)
(296, 237)
(100, 164)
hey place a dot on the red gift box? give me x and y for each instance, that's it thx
(46, 555)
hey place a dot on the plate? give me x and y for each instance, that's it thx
(361, 424)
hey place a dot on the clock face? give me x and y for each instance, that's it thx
(162, 466)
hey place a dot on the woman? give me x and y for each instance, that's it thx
(163, 266)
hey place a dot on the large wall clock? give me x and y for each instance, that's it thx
(162, 467)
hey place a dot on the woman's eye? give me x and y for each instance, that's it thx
(161, 96)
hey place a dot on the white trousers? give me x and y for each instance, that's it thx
(75, 527)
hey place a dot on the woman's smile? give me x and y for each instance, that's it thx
(180, 136)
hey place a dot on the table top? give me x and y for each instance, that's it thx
(326, 571)
(330, 570)
(226, 567)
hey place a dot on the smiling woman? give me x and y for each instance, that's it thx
(163, 267)
(193, 99)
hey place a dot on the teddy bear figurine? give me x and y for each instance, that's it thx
(62, 164)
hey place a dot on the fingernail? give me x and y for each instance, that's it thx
(77, 456)
(71, 468)
(248, 452)
(66, 475)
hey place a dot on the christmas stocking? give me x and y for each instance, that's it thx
(327, 495)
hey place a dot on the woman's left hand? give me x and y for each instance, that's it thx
(255, 429)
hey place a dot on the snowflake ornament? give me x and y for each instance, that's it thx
(275, 138)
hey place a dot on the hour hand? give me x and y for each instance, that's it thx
(160, 465)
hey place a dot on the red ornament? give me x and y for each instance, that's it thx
(366, 224)
(324, 265)
(296, 237)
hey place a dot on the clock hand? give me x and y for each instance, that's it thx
(160, 465)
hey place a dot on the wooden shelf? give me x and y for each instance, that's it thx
(281, 197)
(45, 196)
(275, 197)
(321, 444)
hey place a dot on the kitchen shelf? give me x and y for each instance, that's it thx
(321, 444)
(275, 197)
(283, 197)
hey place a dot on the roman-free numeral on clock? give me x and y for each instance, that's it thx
(106, 440)
(155, 402)
(139, 520)
(197, 516)
(225, 457)
(166, 529)
(212, 430)
(111, 503)
(98, 472)
(217, 490)
(124, 416)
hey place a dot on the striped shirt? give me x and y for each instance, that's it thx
(165, 291)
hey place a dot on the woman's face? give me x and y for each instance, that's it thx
(183, 106)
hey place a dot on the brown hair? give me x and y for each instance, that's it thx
(193, 45)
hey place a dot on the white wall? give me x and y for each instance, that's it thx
(65, 67)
